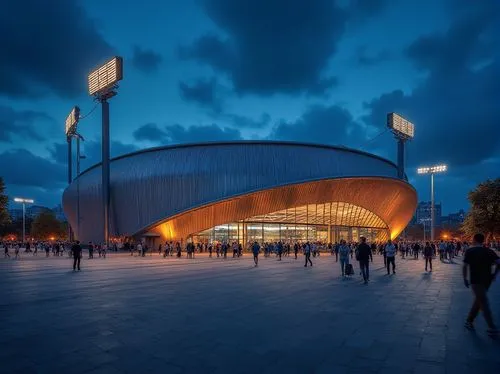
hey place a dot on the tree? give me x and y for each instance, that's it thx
(46, 226)
(4, 200)
(484, 215)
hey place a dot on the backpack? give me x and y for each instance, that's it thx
(349, 270)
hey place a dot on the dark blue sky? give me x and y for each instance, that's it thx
(319, 71)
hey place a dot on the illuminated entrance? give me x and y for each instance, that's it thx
(328, 222)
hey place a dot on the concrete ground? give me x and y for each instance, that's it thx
(153, 315)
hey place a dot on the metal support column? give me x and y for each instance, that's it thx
(24, 223)
(105, 168)
(401, 158)
(432, 207)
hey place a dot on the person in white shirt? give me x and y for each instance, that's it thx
(344, 251)
(390, 252)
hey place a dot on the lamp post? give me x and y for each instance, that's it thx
(432, 170)
(24, 202)
(102, 83)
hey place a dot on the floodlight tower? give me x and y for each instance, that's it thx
(102, 86)
(403, 130)
(70, 130)
(432, 170)
(71, 125)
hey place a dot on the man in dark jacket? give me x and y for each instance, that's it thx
(77, 254)
(478, 261)
(364, 254)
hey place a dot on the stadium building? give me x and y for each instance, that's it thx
(244, 191)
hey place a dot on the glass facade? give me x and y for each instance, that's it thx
(329, 222)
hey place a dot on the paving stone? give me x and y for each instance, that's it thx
(136, 315)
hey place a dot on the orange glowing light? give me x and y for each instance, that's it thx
(52, 238)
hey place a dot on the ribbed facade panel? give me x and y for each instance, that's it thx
(151, 186)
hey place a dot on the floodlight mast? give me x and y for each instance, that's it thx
(102, 85)
(432, 170)
(71, 126)
(403, 131)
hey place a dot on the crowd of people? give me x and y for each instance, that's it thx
(478, 257)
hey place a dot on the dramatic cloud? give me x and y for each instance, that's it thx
(320, 124)
(21, 124)
(365, 59)
(276, 45)
(176, 134)
(90, 149)
(242, 122)
(149, 132)
(202, 92)
(21, 167)
(146, 60)
(272, 45)
(455, 108)
(47, 45)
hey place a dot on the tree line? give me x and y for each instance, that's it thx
(44, 227)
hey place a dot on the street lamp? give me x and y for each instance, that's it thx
(24, 202)
(432, 170)
(102, 84)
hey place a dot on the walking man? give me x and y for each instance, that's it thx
(478, 261)
(77, 254)
(307, 253)
(428, 253)
(256, 250)
(364, 256)
(390, 254)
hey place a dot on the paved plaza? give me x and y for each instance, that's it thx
(153, 315)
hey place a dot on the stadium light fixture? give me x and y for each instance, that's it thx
(400, 126)
(102, 84)
(440, 168)
(403, 130)
(72, 121)
(432, 169)
(105, 77)
(24, 201)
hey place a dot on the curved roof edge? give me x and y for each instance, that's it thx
(242, 142)
(236, 196)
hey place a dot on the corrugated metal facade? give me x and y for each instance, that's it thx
(153, 186)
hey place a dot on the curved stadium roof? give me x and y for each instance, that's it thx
(183, 189)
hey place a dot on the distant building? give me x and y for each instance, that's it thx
(59, 213)
(454, 218)
(16, 214)
(423, 213)
(34, 211)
